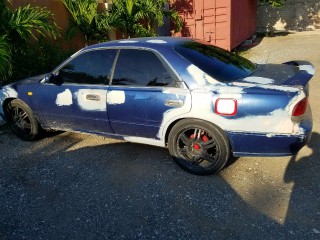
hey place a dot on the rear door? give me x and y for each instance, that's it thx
(78, 99)
(139, 95)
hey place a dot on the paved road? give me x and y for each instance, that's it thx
(73, 186)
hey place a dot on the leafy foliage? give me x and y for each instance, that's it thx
(85, 19)
(136, 18)
(18, 27)
(37, 59)
(273, 3)
(5, 57)
(26, 22)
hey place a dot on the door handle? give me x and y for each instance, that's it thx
(93, 97)
(173, 103)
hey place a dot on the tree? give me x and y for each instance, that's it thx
(17, 28)
(273, 3)
(136, 18)
(85, 19)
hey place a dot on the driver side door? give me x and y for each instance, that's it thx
(77, 98)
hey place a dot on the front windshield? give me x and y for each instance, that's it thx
(220, 64)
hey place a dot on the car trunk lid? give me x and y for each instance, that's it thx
(295, 73)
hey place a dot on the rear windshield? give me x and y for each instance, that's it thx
(220, 64)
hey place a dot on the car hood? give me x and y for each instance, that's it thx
(295, 73)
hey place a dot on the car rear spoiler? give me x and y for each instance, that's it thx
(304, 74)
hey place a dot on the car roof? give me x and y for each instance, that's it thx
(149, 42)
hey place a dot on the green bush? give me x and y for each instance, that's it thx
(18, 26)
(273, 3)
(38, 58)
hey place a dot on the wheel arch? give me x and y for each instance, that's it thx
(187, 159)
(169, 128)
(4, 106)
(5, 109)
(23, 122)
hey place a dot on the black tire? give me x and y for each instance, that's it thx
(23, 121)
(198, 146)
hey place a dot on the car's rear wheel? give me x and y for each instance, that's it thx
(22, 120)
(198, 146)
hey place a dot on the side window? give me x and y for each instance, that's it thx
(140, 68)
(93, 67)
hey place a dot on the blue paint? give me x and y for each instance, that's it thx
(71, 117)
(267, 100)
(142, 112)
(260, 145)
(255, 144)
(302, 77)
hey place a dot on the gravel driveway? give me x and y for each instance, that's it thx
(74, 186)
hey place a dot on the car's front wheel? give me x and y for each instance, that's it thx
(22, 120)
(198, 146)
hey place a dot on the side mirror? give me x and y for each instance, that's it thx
(55, 79)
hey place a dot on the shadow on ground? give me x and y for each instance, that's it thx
(304, 207)
(124, 190)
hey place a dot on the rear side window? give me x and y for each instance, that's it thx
(140, 68)
(218, 63)
(93, 67)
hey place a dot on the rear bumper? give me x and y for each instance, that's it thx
(262, 145)
(256, 144)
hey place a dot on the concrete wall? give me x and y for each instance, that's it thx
(296, 15)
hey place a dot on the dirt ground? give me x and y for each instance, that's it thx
(73, 186)
(288, 195)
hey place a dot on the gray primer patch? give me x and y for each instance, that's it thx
(308, 68)
(128, 41)
(64, 98)
(200, 76)
(116, 97)
(99, 102)
(156, 41)
(7, 92)
(259, 80)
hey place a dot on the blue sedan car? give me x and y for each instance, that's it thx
(201, 102)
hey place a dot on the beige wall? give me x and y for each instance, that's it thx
(296, 15)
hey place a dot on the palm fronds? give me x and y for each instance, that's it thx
(138, 17)
(5, 59)
(29, 21)
(17, 27)
(84, 18)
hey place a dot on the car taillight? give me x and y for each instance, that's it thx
(300, 108)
